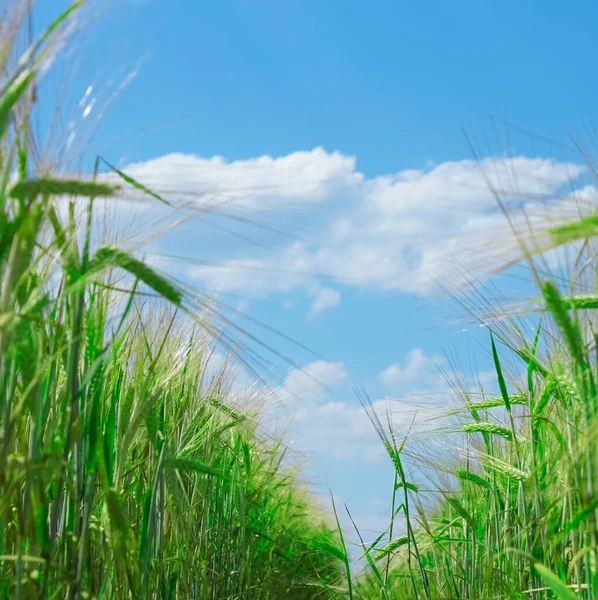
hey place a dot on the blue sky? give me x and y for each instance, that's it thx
(364, 114)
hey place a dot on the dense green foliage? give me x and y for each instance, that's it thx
(124, 470)
(518, 510)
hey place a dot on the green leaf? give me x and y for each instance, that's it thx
(560, 589)
(581, 516)
(135, 183)
(109, 256)
(11, 97)
(343, 547)
(122, 538)
(501, 380)
(42, 526)
(569, 329)
(119, 521)
(147, 500)
(555, 432)
(109, 436)
(527, 356)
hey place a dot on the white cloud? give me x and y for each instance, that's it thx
(307, 386)
(323, 418)
(342, 429)
(325, 298)
(411, 230)
(408, 231)
(416, 366)
(262, 182)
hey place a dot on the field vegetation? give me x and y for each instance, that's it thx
(128, 470)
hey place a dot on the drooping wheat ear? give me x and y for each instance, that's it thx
(548, 390)
(30, 188)
(504, 468)
(496, 402)
(410, 486)
(466, 475)
(187, 464)
(492, 428)
(235, 416)
(569, 386)
(584, 228)
(460, 509)
(582, 302)
(391, 547)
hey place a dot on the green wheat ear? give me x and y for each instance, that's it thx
(497, 402)
(391, 547)
(460, 509)
(492, 428)
(11, 97)
(581, 302)
(504, 468)
(31, 188)
(582, 229)
(196, 466)
(466, 475)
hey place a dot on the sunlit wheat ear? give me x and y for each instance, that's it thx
(491, 428)
(469, 476)
(32, 188)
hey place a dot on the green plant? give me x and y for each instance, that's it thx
(125, 470)
(518, 516)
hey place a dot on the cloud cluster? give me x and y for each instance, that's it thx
(409, 231)
(262, 183)
(325, 418)
(416, 366)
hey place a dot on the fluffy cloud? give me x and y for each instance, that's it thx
(409, 231)
(342, 429)
(325, 298)
(262, 183)
(414, 229)
(417, 366)
(323, 418)
(306, 387)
